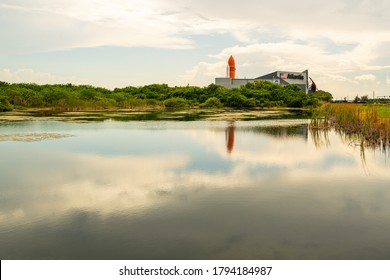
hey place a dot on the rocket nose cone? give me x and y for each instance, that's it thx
(231, 61)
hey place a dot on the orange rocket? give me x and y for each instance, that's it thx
(232, 67)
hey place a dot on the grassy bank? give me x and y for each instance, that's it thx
(370, 122)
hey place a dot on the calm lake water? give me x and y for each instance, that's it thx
(265, 189)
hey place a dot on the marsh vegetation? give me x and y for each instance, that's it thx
(68, 97)
(370, 124)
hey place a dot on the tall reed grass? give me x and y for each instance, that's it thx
(352, 119)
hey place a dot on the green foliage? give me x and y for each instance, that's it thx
(294, 96)
(212, 102)
(134, 102)
(364, 99)
(4, 104)
(69, 96)
(323, 96)
(236, 99)
(176, 102)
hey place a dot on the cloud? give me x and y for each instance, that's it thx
(338, 41)
(203, 71)
(326, 68)
(91, 23)
(339, 20)
(31, 76)
(86, 24)
(336, 71)
(167, 24)
(366, 77)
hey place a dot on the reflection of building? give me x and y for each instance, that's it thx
(230, 138)
(283, 78)
(282, 132)
(296, 131)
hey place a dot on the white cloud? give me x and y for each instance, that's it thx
(31, 76)
(167, 24)
(327, 69)
(340, 20)
(203, 71)
(56, 26)
(338, 41)
(366, 77)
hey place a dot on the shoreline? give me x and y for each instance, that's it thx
(147, 113)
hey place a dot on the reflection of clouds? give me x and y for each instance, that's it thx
(279, 198)
(262, 222)
(107, 183)
(92, 181)
(13, 214)
(296, 158)
(57, 182)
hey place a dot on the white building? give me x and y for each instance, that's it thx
(283, 78)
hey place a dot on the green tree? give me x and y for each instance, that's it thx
(364, 99)
(212, 102)
(236, 99)
(176, 102)
(323, 96)
(4, 104)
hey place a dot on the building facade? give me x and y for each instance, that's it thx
(301, 79)
(283, 78)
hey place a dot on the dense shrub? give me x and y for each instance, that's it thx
(257, 94)
(176, 102)
(323, 96)
(212, 102)
(4, 104)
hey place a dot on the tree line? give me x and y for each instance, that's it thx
(69, 96)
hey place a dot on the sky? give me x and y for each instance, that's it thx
(345, 44)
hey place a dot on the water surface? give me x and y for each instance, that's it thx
(264, 189)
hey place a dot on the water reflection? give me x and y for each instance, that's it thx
(320, 138)
(279, 131)
(230, 137)
(115, 192)
(31, 137)
(284, 132)
(354, 141)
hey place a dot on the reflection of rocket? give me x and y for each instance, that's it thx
(230, 138)
(232, 67)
